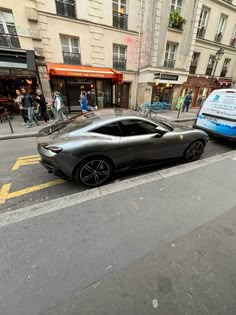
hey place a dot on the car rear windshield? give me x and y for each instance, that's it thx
(74, 123)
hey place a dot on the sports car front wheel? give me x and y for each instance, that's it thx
(94, 172)
(194, 151)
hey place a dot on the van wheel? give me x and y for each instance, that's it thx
(194, 151)
(94, 172)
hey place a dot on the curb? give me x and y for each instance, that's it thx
(19, 135)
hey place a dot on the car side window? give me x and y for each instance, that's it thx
(112, 129)
(136, 128)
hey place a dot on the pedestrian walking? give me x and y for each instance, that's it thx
(83, 102)
(58, 105)
(40, 99)
(28, 102)
(187, 101)
(91, 97)
(18, 101)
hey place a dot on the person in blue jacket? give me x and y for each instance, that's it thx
(84, 106)
(187, 101)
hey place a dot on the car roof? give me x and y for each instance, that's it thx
(100, 117)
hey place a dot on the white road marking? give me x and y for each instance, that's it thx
(81, 197)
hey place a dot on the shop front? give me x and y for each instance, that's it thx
(71, 80)
(201, 87)
(17, 69)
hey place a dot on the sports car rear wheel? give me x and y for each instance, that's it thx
(94, 172)
(194, 151)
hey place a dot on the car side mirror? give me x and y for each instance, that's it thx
(160, 131)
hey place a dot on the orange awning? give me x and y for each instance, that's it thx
(58, 69)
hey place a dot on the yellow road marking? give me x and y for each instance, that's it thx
(26, 160)
(28, 157)
(4, 192)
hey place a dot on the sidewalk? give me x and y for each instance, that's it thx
(21, 131)
(172, 115)
(162, 243)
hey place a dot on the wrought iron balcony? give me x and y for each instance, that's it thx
(9, 40)
(66, 8)
(177, 26)
(201, 32)
(71, 58)
(120, 20)
(169, 63)
(119, 63)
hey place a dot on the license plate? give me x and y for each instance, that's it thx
(213, 119)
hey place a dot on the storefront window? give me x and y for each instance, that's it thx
(104, 93)
(162, 93)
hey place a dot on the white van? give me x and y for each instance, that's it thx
(217, 115)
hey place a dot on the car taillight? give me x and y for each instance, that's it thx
(54, 148)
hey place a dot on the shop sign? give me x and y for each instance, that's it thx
(166, 76)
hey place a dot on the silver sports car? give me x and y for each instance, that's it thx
(89, 148)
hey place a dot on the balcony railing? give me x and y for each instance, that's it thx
(233, 42)
(229, 1)
(201, 32)
(177, 26)
(120, 20)
(218, 37)
(169, 63)
(66, 8)
(71, 58)
(119, 63)
(9, 40)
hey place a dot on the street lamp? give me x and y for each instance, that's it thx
(218, 56)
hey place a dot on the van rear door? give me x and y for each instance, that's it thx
(218, 113)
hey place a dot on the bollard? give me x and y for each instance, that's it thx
(9, 121)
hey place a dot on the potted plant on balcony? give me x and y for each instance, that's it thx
(176, 20)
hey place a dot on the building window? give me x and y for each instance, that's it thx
(221, 28)
(8, 34)
(210, 65)
(233, 40)
(225, 67)
(170, 53)
(176, 5)
(194, 63)
(120, 16)
(66, 8)
(119, 57)
(70, 50)
(202, 23)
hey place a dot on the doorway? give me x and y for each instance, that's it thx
(122, 95)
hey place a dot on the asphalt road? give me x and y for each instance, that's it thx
(25, 181)
(166, 246)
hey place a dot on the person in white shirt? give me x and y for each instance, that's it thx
(18, 101)
(58, 104)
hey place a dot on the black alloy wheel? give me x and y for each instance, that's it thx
(94, 172)
(194, 151)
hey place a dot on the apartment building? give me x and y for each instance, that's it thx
(80, 45)
(179, 44)
(128, 51)
(215, 33)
